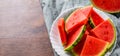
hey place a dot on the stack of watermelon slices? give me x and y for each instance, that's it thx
(86, 33)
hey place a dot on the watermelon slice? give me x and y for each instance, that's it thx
(95, 19)
(61, 28)
(106, 31)
(76, 19)
(111, 6)
(74, 38)
(87, 12)
(94, 47)
(78, 48)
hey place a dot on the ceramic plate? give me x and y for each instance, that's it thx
(54, 34)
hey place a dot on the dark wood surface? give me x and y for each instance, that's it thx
(22, 29)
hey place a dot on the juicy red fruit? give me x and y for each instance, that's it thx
(79, 17)
(76, 19)
(105, 31)
(111, 6)
(96, 18)
(93, 46)
(78, 48)
(61, 28)
(75, 37)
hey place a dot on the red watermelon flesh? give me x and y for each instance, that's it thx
(87, 10)
(76, 19)
(74, 38)
(61, 28)
(94, 47)
(78, 48)
(111, 6)
(95, 18)
(105, 31)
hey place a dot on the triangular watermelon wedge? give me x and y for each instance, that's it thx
(79, 17)
(75, 37)
(75, 20)
(61, 29)
(95, 19)
(78, 48)
(106, 31)
(94, 47)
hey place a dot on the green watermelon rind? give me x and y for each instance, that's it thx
(104, 50)
(77, 40)
(103, 9)
(74, 54)
(113, 41)
(91, 22)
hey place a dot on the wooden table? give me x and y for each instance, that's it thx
(22, 29)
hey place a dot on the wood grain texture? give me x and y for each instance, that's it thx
(22, 29)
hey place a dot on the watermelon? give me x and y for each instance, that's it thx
(111, 6)
(95, 19)
(76, 19)
(87, 12)
(94, 47)
(106, 31)
(74, 38)
(78, 48)
(61, 28)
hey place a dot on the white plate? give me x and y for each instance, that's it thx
(54, 34)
